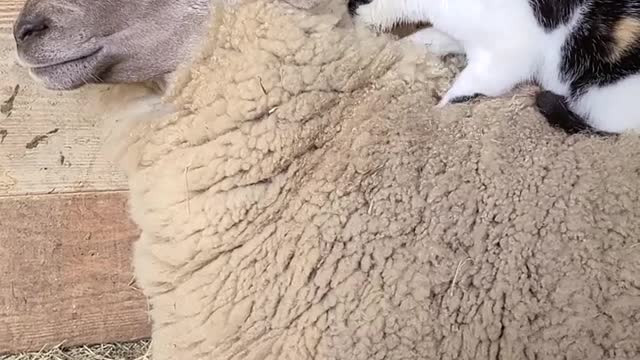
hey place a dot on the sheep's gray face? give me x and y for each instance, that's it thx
(70, 43)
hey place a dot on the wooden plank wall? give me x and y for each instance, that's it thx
(65, 235)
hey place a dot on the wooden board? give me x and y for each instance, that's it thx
(69, 160)
(65, 273)
(65, 235)
(9, 9)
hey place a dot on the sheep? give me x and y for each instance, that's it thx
(276, 192)
(300, 197)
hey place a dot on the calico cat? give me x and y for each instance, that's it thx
(584, 54)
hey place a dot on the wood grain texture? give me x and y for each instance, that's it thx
(70, 160)
(65, 274)
(9, 9)
(65, 268)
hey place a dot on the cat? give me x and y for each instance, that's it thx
(584, 54)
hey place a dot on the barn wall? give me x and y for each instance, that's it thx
(65, 235)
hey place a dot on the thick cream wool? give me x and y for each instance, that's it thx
(300, 198)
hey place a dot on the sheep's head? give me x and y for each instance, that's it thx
(69, 43)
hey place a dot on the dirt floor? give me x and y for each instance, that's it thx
(125, 351)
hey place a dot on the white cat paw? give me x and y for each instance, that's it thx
(436, 41)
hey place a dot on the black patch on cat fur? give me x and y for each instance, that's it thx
(553, 13)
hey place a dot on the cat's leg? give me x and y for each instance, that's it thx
(489, 74)
(436, 41)
(380, 15)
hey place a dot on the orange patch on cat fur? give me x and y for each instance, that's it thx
(625, 35)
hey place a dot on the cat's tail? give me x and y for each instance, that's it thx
(556, 110)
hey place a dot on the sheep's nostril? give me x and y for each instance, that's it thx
(29, 27)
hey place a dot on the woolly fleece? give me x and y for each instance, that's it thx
(300, 198)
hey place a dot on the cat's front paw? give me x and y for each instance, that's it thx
(354, 5)
(490, 76)
(374, 14)
(436, 41)
(458, 99)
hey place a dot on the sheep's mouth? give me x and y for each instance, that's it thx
(71, 73)
(63, 62)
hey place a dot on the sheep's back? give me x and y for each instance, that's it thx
(304, 200)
